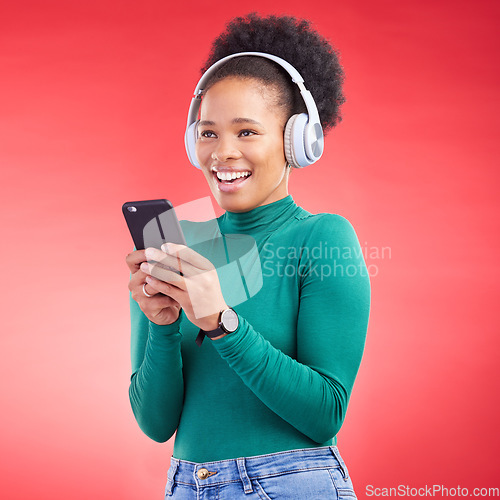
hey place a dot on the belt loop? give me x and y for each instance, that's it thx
(171, 475)
(343, 466)
(247, 485)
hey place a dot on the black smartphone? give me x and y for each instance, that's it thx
(152, 223)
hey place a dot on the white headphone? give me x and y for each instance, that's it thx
(303, 137)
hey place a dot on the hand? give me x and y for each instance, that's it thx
(197, 290)
(159, 309)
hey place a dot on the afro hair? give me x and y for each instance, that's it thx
(295, 41)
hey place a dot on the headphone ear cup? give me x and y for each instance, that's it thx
(287, 139)
(190, 143)
(294, 141)
(314, 142)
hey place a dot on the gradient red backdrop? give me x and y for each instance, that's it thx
(93, 102)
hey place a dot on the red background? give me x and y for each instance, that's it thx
(93, 103)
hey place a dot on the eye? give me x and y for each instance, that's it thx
(247, 133)
(207, 133)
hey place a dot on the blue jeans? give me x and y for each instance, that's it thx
(311, 473)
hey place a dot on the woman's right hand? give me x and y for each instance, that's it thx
(159, 308)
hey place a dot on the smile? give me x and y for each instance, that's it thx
(229, 183)
(228, 176)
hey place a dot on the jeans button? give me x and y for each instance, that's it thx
(202, 473)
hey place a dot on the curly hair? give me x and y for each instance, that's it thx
(296, 42)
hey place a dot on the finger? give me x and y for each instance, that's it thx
(134, 260)
(137, 290)
(187, 254)
(137, 284)
(164, 288)
(160, 272)
(148, 291)
(137, 279)
(170, 262)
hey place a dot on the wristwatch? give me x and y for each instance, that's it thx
(228, 323)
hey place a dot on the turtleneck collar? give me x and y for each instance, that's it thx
(264, 219)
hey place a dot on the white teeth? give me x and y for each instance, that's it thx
(230, 176)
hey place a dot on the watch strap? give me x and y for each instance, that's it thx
(210, 334)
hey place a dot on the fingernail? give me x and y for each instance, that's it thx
(165, 247)
(145, 267)
(150, 253)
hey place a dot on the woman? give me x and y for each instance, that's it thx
(282, 295)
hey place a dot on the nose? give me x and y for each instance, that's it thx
(225, 150)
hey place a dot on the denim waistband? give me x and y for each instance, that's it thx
(245, 469)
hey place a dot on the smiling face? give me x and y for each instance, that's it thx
(241, 130)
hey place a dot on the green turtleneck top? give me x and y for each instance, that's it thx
(283, 379)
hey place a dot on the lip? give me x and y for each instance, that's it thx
(235, 185)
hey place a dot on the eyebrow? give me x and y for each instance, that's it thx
(204, 123)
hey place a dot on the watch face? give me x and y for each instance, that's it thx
(229, 320)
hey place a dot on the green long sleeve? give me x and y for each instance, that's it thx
(281, 381)
(156, 358)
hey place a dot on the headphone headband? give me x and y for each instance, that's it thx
(312, 111)
(303, 133)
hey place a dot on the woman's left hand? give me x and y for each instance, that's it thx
(197, 291)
